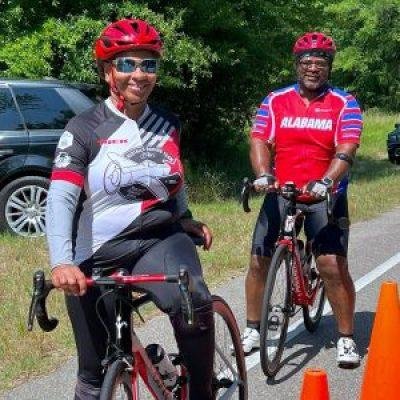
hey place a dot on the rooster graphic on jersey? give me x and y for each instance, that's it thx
(141, 174)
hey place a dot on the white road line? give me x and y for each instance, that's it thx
(298, 327)
(377, 272)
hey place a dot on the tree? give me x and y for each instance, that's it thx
(221, 57)
(369, 43)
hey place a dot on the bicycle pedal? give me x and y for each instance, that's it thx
(223, 383)
(273, 323)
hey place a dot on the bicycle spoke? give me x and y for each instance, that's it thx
(275, 312)
(229, 366)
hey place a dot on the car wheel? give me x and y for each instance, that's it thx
(23, 206)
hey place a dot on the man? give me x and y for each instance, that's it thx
(311, 132)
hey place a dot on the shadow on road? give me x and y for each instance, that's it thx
(324, 338)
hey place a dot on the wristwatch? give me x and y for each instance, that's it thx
(327, 181)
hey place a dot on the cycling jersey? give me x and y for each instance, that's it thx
(130, 172)
(304, 137)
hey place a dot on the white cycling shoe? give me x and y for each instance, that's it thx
(347, 353)
(250, 340)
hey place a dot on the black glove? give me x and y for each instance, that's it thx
(319, 188)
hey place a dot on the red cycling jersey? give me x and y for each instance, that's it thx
(304, 136)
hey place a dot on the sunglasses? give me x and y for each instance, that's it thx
(128, 65)
(320, 65)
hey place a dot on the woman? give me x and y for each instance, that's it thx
(117, 200)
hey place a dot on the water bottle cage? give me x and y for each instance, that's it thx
(163, 364)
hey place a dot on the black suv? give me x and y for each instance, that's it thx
(33, 115)
(393, 145)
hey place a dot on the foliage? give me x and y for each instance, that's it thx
(58, 38)
(221, 57)
(367, 62)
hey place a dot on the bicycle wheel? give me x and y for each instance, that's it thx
(117, 383)
(312, 314)
(230, 376)
(275, 311)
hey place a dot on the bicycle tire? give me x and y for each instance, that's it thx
(271, 349)
(312, 314)
(117, 377)
(228, 354)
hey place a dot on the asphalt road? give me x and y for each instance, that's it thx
(374, 258)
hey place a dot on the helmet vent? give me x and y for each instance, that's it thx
(135, 26)
(106, 41)
(120, 28)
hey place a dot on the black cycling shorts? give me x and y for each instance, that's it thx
(162, 250)
(326, 238)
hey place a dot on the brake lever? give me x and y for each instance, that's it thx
(31, 314)
(185, 288)
(37, 292)
(329, 205)
(245, 194)
(41, 289)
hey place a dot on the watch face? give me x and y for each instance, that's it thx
(328, 181)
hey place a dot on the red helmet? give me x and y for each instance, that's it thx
(125, 35)
(314, 41)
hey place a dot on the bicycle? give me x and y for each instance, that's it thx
(123, 367)
(292, 281)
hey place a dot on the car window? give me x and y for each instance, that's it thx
(43, 108)
(10, 119)
(75, 99)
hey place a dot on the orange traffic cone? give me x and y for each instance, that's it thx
(315, 385)
(382, 371)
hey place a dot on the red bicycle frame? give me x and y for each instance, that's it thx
(300, 295)
(141, 364)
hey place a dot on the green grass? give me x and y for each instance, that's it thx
(375, 181)
(375, 188)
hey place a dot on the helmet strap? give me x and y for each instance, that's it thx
(121, 99)
(113, 87)
(121, 103)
